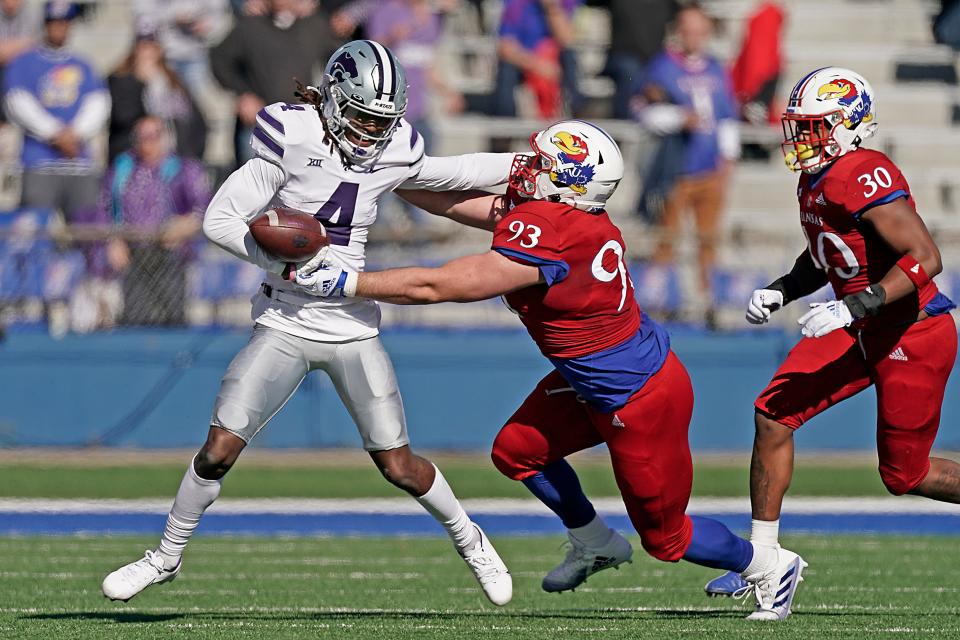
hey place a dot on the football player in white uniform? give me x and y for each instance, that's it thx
(334, 154)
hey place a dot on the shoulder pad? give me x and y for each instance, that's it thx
(405, 148)
(279, 126)
(269, 138)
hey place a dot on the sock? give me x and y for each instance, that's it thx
(193, 498)
(440, 502)
(764, 558)
(714, 545)
(594, 534)
(558, 487)
(765, 532)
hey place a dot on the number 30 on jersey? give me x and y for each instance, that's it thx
(872, 182)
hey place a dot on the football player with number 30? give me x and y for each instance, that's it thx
(889, 326)
(560, 263)
(335, 154)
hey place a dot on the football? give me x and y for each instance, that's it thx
(288, 235)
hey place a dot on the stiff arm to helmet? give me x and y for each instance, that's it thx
(573, 162)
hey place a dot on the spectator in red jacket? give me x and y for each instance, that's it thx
(756, 72)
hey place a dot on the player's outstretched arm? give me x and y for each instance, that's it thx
(903, 229)
(467, 279)
(460, 173)
(471, 208)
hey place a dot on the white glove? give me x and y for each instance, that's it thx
(309, 266)
(762, 303)
(329, 282)
(825, 317)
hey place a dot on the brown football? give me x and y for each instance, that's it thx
(288, 234)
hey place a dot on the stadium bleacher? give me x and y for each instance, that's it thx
(892, 42)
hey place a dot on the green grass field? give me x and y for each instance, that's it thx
(418, 589)
(400, 588)
(356, 477)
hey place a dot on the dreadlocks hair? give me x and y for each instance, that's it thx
(307, 95)
(310, 95)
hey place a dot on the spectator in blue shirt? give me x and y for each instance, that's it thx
(20, 27)
(61, 103)
(687, 98)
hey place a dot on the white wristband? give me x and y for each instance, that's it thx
(350, 285)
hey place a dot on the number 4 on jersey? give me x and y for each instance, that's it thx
(336, 214)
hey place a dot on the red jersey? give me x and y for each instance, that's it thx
(854, 256)
(587, 303)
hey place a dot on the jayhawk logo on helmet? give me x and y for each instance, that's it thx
(570, 169)
(841, 90)
(572, 147)
(845, 93)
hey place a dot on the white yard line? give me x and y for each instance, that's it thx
(906, 505)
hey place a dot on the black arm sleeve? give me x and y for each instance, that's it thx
(803, 279)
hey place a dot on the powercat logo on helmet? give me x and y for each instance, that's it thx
(344, 67)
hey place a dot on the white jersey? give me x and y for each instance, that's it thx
(296, 168)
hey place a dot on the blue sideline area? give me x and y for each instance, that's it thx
(377, 524)
(156, 389)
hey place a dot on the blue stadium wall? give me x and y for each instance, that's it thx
(156, 389)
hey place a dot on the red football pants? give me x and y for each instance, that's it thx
(650, 452)
(910, 368)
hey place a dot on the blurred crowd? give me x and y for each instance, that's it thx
(147, 194)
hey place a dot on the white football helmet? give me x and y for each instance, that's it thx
(830, 112)
(573, 162)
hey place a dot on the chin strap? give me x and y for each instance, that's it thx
(790, 159)
(794, 159)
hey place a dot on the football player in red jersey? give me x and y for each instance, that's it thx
(889, 325)
(560, 263)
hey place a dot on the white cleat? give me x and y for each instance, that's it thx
(582, 562)
(776, 588)
(489, 570)
(131, 579)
